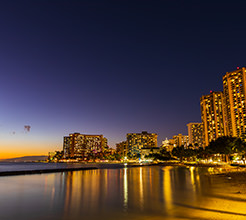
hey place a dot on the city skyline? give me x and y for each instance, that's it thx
(110, 68)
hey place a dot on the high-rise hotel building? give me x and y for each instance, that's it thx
(234, 84)
(195, 133)
(213, 117)
(78, 145)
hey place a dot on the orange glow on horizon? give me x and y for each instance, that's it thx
(16, 155)
(12, 150)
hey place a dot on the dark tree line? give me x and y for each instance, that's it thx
(224, 146)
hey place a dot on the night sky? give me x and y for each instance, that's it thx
(110, 67)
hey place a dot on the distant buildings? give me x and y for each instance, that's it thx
(86, 147)
(167, 145)
(83, 146)
(68, 149)
(138, 145)
(148, 151)
(234, 84)
(213, 117)
(122, 148)
(222, 114)
(138, 141)
(177, 141)
(195, 134)
(180, 140)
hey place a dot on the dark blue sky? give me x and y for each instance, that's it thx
(112, 67)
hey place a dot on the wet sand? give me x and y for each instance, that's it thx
(228, 183)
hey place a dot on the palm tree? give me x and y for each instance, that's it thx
(227, 146)
(178, 152)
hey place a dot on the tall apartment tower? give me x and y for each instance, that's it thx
(195, 133)
(213, 117)
(234, 84)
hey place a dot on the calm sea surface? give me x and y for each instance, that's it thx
(138, 193)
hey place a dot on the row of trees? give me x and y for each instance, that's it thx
(105, 155)
(226, 147)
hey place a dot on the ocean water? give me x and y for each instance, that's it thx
(138, 193)
(21, 166)
(34, 166)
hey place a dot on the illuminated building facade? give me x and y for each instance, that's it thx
(83, 146)
(195, 133)
(148, 151)
(121, 148)
(137, 141)
(180, 140)
(167, 144)
(234, 84)
(66, 147)
(213, 117)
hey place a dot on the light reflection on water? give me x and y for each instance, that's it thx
(128, 193)
(125, 189)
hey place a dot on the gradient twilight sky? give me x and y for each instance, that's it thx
(110, 67)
